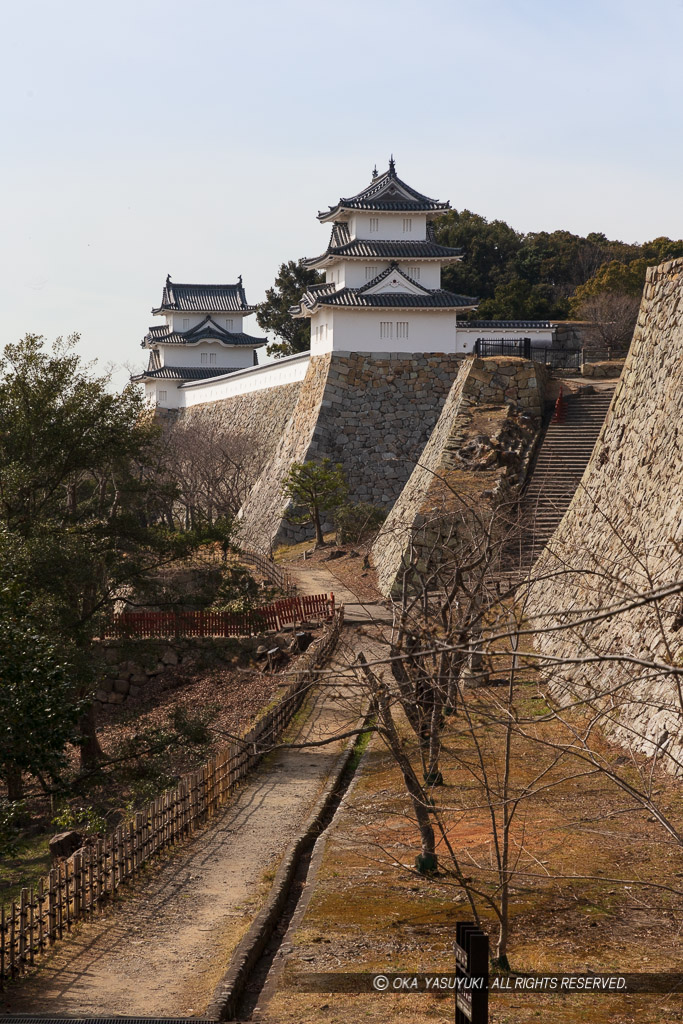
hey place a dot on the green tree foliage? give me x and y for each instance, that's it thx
(313, 488)
(540, 274)
(38, 709)
(273, 315)
(356, 520)
(80, 518)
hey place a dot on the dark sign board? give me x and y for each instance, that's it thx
(472, 974)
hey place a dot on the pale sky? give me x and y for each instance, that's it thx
(201, 138)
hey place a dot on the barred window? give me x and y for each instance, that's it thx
(370, 272)
(163, 395)
(407, 225)
(228, 324)
(413, 272)
(212, 358)
(402, 329)
(374, 223)
(386, 329)
(186, 324)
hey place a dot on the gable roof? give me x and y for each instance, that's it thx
(342, 246)
(203, 298)
(207, 329)
(386, 193)
(415, 297)
(184, 372)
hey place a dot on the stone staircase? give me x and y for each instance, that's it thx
(559, 465)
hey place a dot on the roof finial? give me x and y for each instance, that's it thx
(168, 280)
(239, 280)
(374, 172)
(392, 164)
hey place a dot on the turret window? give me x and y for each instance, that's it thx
(370, 272)
(186, 324)
(386, 329)
(212, 358)
(402, 329)
(162, 396)
(407, 225)
(228, 324)
(374, 224)
(413, 272)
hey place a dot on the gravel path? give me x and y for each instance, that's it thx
(164, 947)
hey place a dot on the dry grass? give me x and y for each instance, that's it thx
(371, 912)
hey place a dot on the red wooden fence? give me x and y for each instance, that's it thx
(289, 611)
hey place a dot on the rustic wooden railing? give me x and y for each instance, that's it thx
(79, 886)
(289, 611)
(271, 570)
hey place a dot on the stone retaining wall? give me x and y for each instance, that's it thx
(128, 666)
(479, 449)
(372, 413)
(261, 415)
(623, 535)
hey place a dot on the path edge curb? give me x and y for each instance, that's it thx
(228, 992)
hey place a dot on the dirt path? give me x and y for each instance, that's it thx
(317, 579)
(164, 948)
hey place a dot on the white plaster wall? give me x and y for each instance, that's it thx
(164, 393)
(359, 331)
(270, 375)
(177, 320)
(191, 355)
(390, 226)
(322, 326)
(351, 273)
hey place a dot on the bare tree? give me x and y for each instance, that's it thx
(612, 317)
(212, 471)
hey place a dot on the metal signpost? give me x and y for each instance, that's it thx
(472, 966)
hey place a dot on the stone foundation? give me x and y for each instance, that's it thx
(476, 458)
(622, 536)
(372, 413)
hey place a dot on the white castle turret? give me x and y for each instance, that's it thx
(382, 290)
(202, 338)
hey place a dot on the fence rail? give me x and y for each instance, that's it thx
(273, 572)
(558, 358)
(288, 611)
(77, 887)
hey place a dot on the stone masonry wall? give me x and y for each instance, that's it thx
(262, 415)
(623, 536)
(372, 414)
(479, 447)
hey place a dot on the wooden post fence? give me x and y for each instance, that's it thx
(77, 887)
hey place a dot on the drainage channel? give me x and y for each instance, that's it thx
(257, 988)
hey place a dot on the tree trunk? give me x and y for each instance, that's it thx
(15, 784)
(91, 751)
(501, 959)
(428, 859)
(319, 539)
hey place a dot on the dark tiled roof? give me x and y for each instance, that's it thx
(342, 245)
(185, 372)
(511, 324)
(424, 298)
(387, 192)
(204, 298)
(208, 328)
(436, 299)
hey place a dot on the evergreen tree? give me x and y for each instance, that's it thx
(273, 315)
(313, 488)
